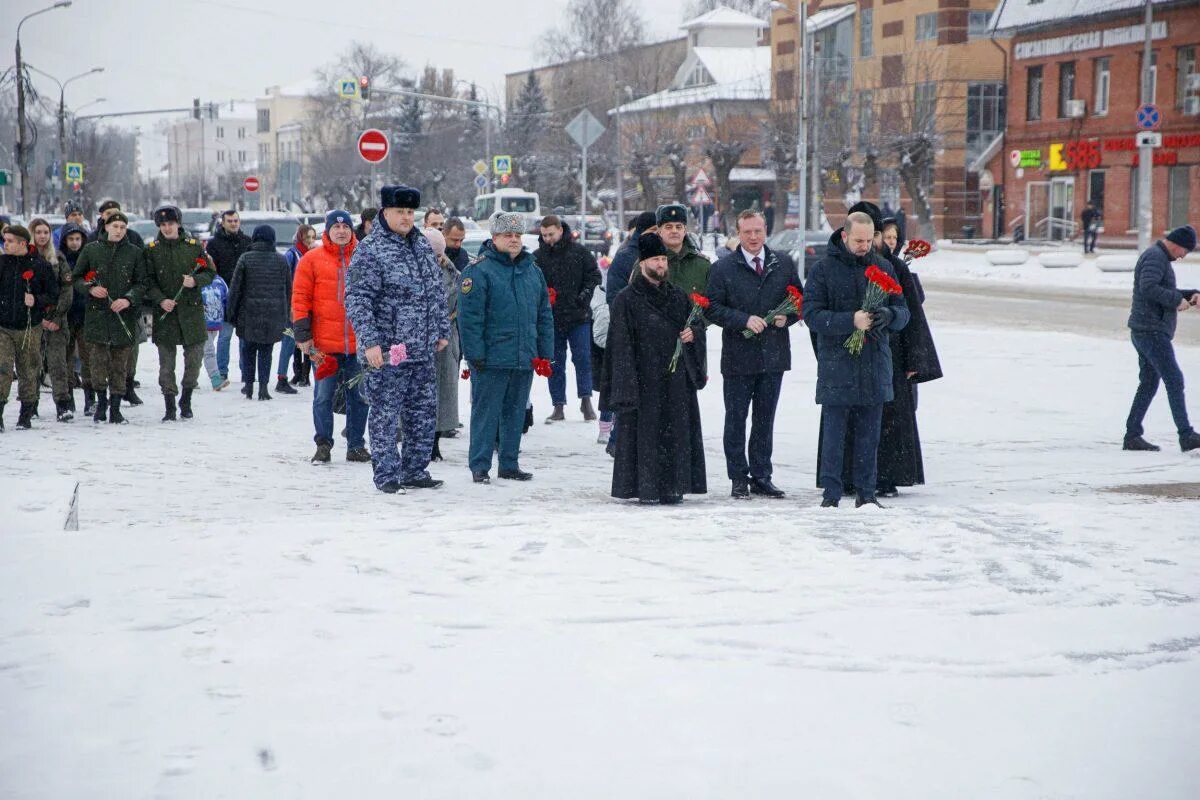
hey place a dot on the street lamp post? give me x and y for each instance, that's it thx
(802, 108)
(62, 108)
(22, 167)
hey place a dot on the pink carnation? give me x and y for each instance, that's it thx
(397, 353)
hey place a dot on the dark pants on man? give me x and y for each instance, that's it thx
(865, 422)
(580, 340)
(254, 354)
(1089, 239)
(1156, 361)
(742, 393)
(498, 400)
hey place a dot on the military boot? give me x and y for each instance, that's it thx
(89, 401)
(25, 420)
(114, 409)
(185, 404)
(100, 411)
(2, 402)
(169, 402)
(263, 394)
(63, 407)
(131, 396)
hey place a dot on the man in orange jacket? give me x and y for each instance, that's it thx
(323, 332)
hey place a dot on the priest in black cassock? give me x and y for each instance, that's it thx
(660, 452)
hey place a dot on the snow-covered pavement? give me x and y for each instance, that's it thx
(232, 622)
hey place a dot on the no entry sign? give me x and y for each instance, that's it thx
(250, 184)
(373, 145)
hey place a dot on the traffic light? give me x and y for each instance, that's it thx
(504, 179)
(364, 87)
(195, 108)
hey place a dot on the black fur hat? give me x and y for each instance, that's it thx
(399, 196)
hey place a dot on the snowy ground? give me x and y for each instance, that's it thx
(231, 622)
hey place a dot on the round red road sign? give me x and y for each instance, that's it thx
(373, 145)
(250, 184)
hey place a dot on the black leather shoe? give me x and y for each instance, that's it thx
(671, 500)
(765, 488)
(741, 490)
(391, 487)
(867, 501)
(480, 477)
(827, 503)
(424, 482)
(1138, 443)
(1189, 441)
(887, 491)
(514, 475)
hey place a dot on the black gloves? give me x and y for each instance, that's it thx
(882, 317)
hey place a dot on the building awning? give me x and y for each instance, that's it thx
(829, 16)
(751, 175)
(989, 152)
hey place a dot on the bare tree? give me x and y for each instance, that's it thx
(780, 136)
(593, 27)
(733, 131)
(755, 8)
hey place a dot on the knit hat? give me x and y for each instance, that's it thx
(436, 241)
(871, 210)
(1184, 236)
(399, 196)
(650, 245)
(264, 233)
(507, 223)
(72, 208)
(675, 212)
(20, 231)
(336, 216)
(643, 221)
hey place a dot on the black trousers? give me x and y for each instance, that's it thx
(742, 393)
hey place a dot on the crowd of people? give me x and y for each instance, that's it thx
(383, 319)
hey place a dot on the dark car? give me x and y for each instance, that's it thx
(811, 246)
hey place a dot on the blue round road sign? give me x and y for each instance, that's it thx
(481, 181)
(1148, 117)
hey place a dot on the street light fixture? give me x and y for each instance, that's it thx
(22, 167)
(62, 105)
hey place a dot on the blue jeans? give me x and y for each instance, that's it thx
(356, 407)
(580, 340)
(866, 422)
(1156, 361)
(223, 341)
(287, 346)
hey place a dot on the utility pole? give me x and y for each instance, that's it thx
(815, 165)
(1146, 154)
(802, 106)
(620, 174)
(22, 165)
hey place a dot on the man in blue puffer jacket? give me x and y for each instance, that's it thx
(504, 321)
(397, 304)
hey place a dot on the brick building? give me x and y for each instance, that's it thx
(1074, 88)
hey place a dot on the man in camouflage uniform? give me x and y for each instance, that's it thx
(177, 266)
(687, 267)
(397, 304)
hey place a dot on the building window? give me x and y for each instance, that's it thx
(977, 23)
(786, 47)
(927, 26)
(985, 116)
(698, 77)
(866, 42)
(220, 156)
(1153, 77)
(264, 120)
(220, 132)
(1187, 87)
(1066, 87)
(785, 84)
(1095, 194)
(241, 133)
(866, 120)
(924, 106)
(695, 132)
(242, 156)
(1133, 199)
(1033, 94)
(1102, 80)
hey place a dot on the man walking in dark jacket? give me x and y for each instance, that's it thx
(852, 388)
(571, 278)
(225, 247)
(742, 287)
(1156, 305)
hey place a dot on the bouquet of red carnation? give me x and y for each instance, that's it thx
(201, 263)
(880, 286)
(27, 276)
(916, 248)
(792, 304)
(553, 295)
(699, 304)
(542, 367)
(466, 374)
(326, 367)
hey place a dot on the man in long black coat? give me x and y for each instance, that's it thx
(660, 449)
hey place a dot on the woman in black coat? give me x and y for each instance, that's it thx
(259, 301)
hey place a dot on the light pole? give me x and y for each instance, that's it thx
(22, 167)
(802, 108)
(62, 106)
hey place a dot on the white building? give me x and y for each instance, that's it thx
(218, 150)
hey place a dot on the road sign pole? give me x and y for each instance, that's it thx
(1146, 154)
(583, 182)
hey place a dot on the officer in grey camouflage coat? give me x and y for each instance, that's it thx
(397, 304)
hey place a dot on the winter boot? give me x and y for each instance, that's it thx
(71, 401)
(131, 396)
(1140, 444)
(437, 451)
(25, 420)
(35, 409)
(169, 402)
(324, 448)
(89, 401)
(114, 409)
(358, 455)
(2, 402)
(585, 407)
(100, 411)
(64, 409)
(283, 387)
(263, 394)
(1189, 441)
(557, 416)
(248, 391)
(185, 404)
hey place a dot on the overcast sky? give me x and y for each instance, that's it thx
(162, 53)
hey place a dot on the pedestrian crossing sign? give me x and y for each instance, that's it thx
(347, 88)
(74, 171)
(502, 165)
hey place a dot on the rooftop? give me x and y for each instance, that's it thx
(724, 17)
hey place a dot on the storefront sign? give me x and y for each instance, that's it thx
(1091, 40)
(1170, 141)
(1028, 158)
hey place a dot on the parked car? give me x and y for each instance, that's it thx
(807, 249)
(285, 226)
(144, 228)
(200, 222)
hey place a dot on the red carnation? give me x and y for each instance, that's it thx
(701, 300)
(201, 263)
(27, 275)
(466, 374)
(794, 293)
(327, 368)
(553, 294)
(90, 276)
(542, 367)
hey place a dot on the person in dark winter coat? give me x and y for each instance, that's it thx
(454, 231)
(56, 334)
(396, 301)
(305, 239)
(505, 321)
(851, 388)
(660, 449)
(1152, 318)
(572, 275)
(624, 262)
(1090, 218)
(259, 303)
(24, 303)
(71, 239)
(226, 246)
(107, 209)
(742, 287)
(366, 223)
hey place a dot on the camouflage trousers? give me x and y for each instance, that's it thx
(108, 367)
(193, 357)
(24, 348)
(403, 397)
(79, 345)
(58, 356)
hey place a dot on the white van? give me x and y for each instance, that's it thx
(509, 201)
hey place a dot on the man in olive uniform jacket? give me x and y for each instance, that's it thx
(687, 267)
(176, 266)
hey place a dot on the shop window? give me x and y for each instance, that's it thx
(1033, 94)
(1096, 189)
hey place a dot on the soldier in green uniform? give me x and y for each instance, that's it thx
(687, 267)
(109, 273)
(176, 266)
